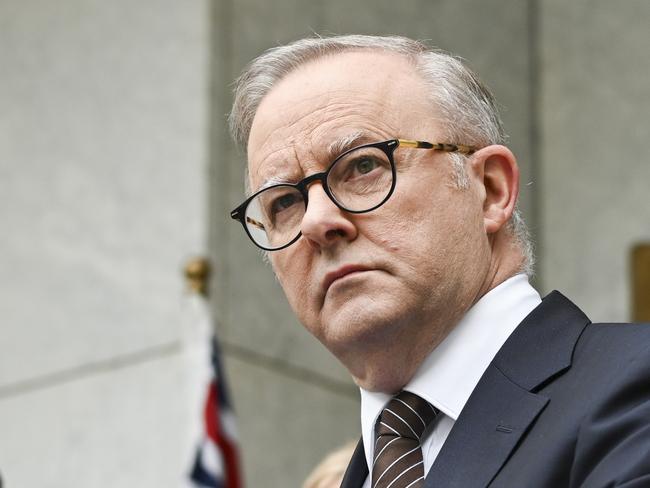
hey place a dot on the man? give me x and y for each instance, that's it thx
(383, 193)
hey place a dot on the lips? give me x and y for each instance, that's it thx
(339, 273)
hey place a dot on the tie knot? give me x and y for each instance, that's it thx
(405, 415)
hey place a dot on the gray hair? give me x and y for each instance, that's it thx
(465, 107)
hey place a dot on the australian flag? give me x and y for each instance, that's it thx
(216, 464)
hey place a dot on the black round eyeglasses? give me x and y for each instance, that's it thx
(358, 181)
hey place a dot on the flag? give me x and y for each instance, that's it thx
(216, 464)
(211, 443)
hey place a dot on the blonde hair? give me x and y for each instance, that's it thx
(329, 472)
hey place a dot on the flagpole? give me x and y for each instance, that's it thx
(196, 336)
(213, 438)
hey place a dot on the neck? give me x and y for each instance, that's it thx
(506, 261)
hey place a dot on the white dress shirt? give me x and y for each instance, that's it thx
(449, 374)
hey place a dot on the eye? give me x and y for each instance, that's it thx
(284, 202)
(359, 167)
(365, 165)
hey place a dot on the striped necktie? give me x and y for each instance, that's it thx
(398, 453)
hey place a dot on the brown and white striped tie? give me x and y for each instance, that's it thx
(398, 453)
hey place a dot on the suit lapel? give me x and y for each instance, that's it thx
(487, 430)
(357, 471)
(504, 404)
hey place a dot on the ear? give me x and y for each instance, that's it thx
(498, 174)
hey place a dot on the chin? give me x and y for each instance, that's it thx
(380, 380)
(353, 332)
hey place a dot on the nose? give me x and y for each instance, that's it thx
(324, 224)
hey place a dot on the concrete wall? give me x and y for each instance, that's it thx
(595, 164)
(109, 114)
(102, 185)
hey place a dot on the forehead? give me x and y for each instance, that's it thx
(308, 114)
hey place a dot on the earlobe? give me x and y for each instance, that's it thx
(500, 177)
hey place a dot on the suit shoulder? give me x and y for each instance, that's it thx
(612, 343)
(613, 360)
(618, 332)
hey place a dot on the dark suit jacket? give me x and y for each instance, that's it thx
(565, 403)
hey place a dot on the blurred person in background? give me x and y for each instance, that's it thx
(329, 472)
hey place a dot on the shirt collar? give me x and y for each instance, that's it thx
(449, 374)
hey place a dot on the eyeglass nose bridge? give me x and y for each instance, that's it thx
(303, 187)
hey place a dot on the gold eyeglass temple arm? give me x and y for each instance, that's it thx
(461, 148)
(254, 222)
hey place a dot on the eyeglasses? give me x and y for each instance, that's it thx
(358, 181)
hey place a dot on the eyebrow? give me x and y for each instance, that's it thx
(346, 142)
(334, 149)
(272, 181)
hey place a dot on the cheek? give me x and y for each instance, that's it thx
(408, 241)
(391, 233)
(413, 223)
(293, 274)
(427, 228)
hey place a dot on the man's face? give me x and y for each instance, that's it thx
(380, 289)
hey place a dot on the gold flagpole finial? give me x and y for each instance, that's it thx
(197, 275)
